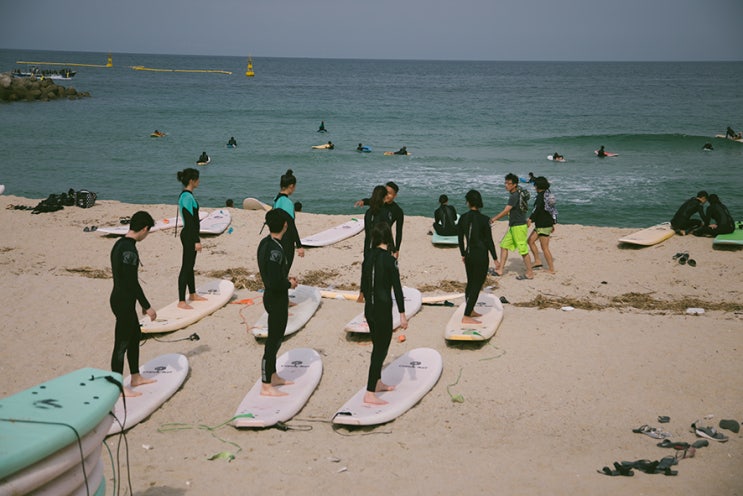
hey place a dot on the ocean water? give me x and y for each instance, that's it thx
(466, 125)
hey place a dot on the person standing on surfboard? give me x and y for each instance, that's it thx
(188, 209)
(274, 268)
(379, 277)
(475, 242)
(124, 297)
(291, 239)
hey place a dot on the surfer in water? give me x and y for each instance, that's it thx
(203, 158)
(601, 153)
(402, 151)
(475, 242)
(322, 129)
(379, 277)
(188, 210)
(124, 297)
(274, 268)
(232, 142)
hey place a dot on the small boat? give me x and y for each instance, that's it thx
(63, 74)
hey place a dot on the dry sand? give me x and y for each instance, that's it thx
(552, 398)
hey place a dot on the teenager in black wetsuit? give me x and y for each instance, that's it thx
(394, 215)
(718, 219)
(682, 222)
(124, 297)
(379, 277)
(378, 211)
(445, 218)
(188, 210)
(475, 242)
(274, 269)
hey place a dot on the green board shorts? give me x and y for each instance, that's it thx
(544, 231)
(515, 239)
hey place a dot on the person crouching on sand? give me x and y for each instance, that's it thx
(379, 276)
(124, 297)
(274, 268)
(475, 242)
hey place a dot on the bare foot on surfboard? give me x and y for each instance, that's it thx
(373, 399)
(470, 320)
(130, 393)
(197, 297)
(185, 306)
(269, 390)
(138, 380)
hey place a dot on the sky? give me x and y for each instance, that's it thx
(524, 30)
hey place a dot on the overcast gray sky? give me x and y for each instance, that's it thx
(384, 29)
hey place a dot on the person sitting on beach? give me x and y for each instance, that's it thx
(682, 222)
(719, 213)
(230, 203)
(322, 129)
(203, 158)
(402, 151)
(601, 153)
(124, 297)
(445, 218)
(232, 142)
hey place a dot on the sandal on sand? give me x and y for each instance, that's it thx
(692, 262)
(652, 432)
(709, 433)
(664, 419)
(537, 266)
(731, 425)
(679, 255)
(683, 258)
(677, 445)
(523, 278)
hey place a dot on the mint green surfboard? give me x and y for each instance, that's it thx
(734, 238)
(41, 420)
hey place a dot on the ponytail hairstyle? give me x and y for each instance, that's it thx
(377, 198)
(186, 175)
(381, 234)
(287, 179)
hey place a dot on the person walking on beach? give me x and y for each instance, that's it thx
(188, 209)
(544, 218)
(719, 213)
(274, 268)
(394, 215)
(379, 277)
(124, 297)
(445, 218)
(682, 222)
(287, 185)
(515, 237)
(475, 242)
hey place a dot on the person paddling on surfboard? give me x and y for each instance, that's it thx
(124, 297)
(274, 269)
(601, 153)
(379, 277)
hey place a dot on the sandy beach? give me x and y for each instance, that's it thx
(549, 400)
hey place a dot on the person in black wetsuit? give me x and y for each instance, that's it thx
(378, 211)
(402, 151)
(601, 153)
(379, 277)
(682, 222)
(232, 142)
(274, 269)
(719, 213)
(322, 129)
(394, 215)
(203, 158)
(188, 210)
(445, 218)
(124, 297)
(475, 242)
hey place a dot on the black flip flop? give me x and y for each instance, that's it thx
(683, 258)
(692, 262)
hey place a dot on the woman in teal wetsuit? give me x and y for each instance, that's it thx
(188, 210)
(291, 239)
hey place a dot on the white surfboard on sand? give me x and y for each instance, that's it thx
(650, 236)
(335, 234)
(303, 366)
(160, 225)
(169, 371)
(438, 239)
(413, 374)
(434, 299)
(333, 294)
(171, 318)
(255, 204)
(306, 299)
(413, 303)
(491, 309)
(216, 222)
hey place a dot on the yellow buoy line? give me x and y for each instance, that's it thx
(143, 68)
(109, 63)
